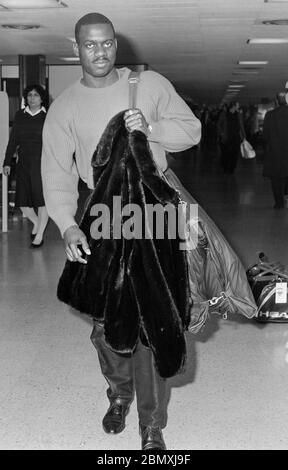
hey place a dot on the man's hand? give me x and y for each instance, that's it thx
(135, 121)
(6, 170)
(73, 237)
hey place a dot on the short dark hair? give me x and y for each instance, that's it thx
(91, 18)
(40, 90)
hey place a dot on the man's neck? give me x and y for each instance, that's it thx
(100, 82)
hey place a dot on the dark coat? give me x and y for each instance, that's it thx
(275, 134)
(137, 285)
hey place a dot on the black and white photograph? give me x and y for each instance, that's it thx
(143, 228)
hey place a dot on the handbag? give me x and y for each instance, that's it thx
(247, 150)
(269, 284)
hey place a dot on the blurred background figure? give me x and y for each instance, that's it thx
(26, 140)
(209, 129)
(231, 130)
(275, 137)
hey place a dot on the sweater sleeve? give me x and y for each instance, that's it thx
(13, 142)
(176, 127)
(58, 169)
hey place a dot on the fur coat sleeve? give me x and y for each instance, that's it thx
(134, 285)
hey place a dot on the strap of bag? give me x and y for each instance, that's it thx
(133, 80)
(270, 269)
(266, 298)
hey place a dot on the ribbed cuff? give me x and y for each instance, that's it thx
(64, 222)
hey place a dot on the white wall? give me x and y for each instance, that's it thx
(4, 126)
(10, 71)
(62, 76)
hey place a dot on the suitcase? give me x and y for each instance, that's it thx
(269, 284)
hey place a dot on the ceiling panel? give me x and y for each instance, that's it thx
(196, 43)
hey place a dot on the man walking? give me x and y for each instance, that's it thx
(74, 125)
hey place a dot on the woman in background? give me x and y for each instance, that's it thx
(26, 139)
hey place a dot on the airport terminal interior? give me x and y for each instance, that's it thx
(232, 394)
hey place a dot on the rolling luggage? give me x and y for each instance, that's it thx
(269, 283)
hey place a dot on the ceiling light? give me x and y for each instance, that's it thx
(246, 72)
(69, 59)
(236, 80)
(31, 4)
(253, 62)
(275, 1)
(267, 41)
(21, 27)
(236, 86)
(282, 22)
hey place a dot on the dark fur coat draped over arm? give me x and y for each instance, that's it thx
(137, 285)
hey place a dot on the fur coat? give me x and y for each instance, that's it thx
(139, 285)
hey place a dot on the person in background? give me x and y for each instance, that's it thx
(75, 122)
(26, 139)
(222, 131)
(232, 133)
(275, 137)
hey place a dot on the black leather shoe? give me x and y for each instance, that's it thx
(114, 420)
(33, 245)
(152, 438)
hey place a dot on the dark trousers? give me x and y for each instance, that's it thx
(229, 156)
(127, 374)
(279, 187)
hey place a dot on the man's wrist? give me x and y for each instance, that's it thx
(72, 226)
(68, 228)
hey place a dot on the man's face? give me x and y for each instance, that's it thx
(96, 49)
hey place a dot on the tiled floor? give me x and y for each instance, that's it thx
(233, 394)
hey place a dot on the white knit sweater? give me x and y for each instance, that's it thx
(77, 118)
